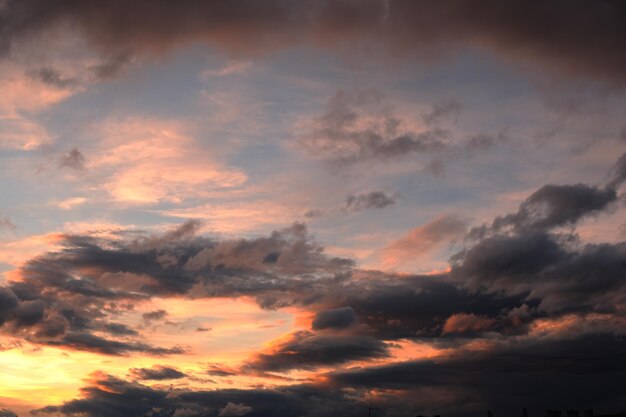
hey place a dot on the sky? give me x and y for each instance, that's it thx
(310, 208)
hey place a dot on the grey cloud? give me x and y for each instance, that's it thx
(417, 307)
(53, 77)
(492, 378)
(232, 409)
(521, 254)
(93, 343)
(113, 397)
(336, 318)
(112, 66)
(157, 373)
(557, 205)
(119, 329)
(65, 297)
(344, 134)
(308, 350)
(450, 108)
(373, 199)
(618, 174)
(74, 159)
(570, 37)
(516, 264)
(459, 385)
(544, 267)
(154, 315)
(359, 126)
(313, 213)
(4, 412)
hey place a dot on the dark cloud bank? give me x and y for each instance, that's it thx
(571, 36)
(522, 271)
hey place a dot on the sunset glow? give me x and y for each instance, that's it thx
(281, 208)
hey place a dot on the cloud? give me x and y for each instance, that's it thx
(154, 315)
(23, 97)
(52, 77)
(231, 68)
(557, 205)
(7, 224)
(439, 111)
(147, 161)
(232, 409)
(336, 318)
(7, 413)
(65, 298)
(507, 277)
(564, 36)
(157, 373)
(108, 396)
(618, 174)
(373, 199)
(74, 159)
(357, 126)
(308, 350)
(458, 384)
(424, 239)
(520, 253)
(462, 323)
(70, 203)
(92, 343)
(493, 375)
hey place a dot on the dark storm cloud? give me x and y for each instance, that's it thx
(156, 373)
(373, 199)
(530, 373)
(4, 412)
(308, 350)
(571, 36)
(336, 318)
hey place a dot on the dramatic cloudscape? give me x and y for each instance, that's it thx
(316, 208)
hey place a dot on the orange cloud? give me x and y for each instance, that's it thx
(21, 94)
(423, 240)
(462, 323)
(150, 160)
